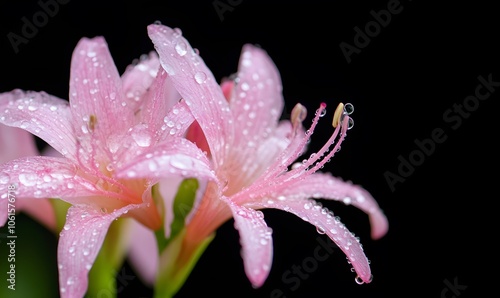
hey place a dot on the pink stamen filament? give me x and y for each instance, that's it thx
(281, 165)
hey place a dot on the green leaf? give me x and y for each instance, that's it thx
(176, 260)
(183, 203)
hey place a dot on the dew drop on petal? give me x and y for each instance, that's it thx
(181, 48)
(200, 77)
(320, 230)
(4, 178)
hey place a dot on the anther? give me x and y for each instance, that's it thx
(338, 115)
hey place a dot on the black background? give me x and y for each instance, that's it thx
(426, 60)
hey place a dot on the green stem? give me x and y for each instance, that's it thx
(176, 265)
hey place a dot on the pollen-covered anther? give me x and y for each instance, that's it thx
(92, 122)
(337, 116)
(299, 113)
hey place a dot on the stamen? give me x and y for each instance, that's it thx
(92, 122)
(337, 115)
(299, 113)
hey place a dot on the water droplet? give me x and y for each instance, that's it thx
(157, 22)
(71, 249)
(322, 113)
(28, 179)
(53, 108)
(70, 281)
(350, 123)
(4, 178)
(66, 227)
(200, 77)
(32, 108)
(177, 32)
(358, 280)
(112, 95)
(181, 48)
(110, 167)
(263, 241)
(349, 108)
(320, 230)
(142, 138)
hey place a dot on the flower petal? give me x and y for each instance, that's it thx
(176, 156)
(197, 85)
(45, 177)
(256, 242)
(158, 109)
(257, 101)
(326, 223)
(43, 115)
(138, 77)
(79, 243)
(143, 252)
(16, 143)
(96, 94)
(325, 186)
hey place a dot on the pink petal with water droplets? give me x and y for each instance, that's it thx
(45, 177)
(176, 156)
(310, 211)
(137, 78)
(256, 242)
(96, 94)
(143, 252)
(43, 115)
(326, 186)
(165, 114)
(79, 243)
(257, 101)
(197, 85)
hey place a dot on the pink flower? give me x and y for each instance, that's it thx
(253, 155)
(117, 137)
(18, 143)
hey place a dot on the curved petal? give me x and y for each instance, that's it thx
(256, 243)
(96, 95)
(325, 186)
(43, 115)
(257, 101)
(143, 253)
(162, 111)
(138, 77)
(176, 156)
(79, 243)
(326, 223)
(16, 143)
(197, 85)
(45, 177)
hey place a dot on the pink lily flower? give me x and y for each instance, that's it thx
(18, 143)
(252, 154)
(115, 146)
